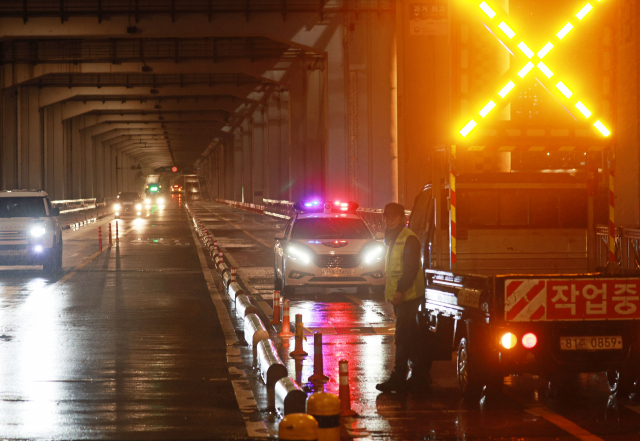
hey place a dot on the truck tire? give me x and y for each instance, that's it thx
(621, 382)
(468, 372)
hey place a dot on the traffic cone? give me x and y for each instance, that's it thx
(298, 351)
(110, 240)
(233, 274)
(276, 308)
(345, 393)
(286, 325)
(318, 365)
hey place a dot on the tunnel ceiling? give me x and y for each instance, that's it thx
(162, 99)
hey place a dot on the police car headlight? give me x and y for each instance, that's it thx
(374, 254)
(296, 252)
(37, 231)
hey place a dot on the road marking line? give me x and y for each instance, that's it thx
(241, 229)
(244, 397)
(563, 423)
(223, 315)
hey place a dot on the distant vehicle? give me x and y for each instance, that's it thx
(29, 230)
(176, 189)
(128, 204)
(328, 245)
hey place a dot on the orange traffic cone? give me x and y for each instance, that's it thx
(286, 325)
(276, 308)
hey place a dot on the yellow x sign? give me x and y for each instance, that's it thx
(549, 79)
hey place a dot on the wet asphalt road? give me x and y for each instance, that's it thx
(128, 344)
(359, 329)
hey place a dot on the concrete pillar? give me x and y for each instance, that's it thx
(284, 149)
(423, 66)
(238, 168)
(30, 147)
(56, 158)
(274, 151)
(9, 159)
(307, 125)
(247, 161)
(258, 165)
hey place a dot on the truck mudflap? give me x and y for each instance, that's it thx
(578, 298)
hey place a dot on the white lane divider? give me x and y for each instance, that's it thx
(563, 423)
(244, 396)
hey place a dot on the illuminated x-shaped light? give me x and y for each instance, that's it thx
(534, 61)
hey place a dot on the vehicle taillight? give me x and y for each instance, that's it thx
(529, 340)
(508, 340)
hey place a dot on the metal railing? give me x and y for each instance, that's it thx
(284, 209)
(627, 253)
(71, 205)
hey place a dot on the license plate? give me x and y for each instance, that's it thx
(127, 203)
(337, 272)
(12, 252)
(588, 343)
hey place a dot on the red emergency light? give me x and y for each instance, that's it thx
(316, 206)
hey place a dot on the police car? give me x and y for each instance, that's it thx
(328, 245)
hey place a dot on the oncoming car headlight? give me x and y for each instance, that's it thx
(139, 207)
(296, 252)
(147, 201)
(38, 231)
(374, 254)
(116, 207)
(160, 201)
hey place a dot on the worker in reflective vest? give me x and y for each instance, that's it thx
(405, 291)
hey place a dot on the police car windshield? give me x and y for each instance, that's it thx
(22, 207)
(330, 228)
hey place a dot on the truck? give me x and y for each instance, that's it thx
(527, 288)
(29, 230)
(519, 277)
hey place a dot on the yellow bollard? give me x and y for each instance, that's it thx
(298, 426)
(325, 408)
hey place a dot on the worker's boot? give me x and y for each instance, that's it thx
(396, 383)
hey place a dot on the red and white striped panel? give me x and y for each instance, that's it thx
(525, 300)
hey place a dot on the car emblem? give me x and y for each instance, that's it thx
(335, 243)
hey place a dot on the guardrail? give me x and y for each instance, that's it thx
(69, 206)
(284, 209)
(627, 247)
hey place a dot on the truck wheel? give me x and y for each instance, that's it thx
(467, 369)
(620, 382)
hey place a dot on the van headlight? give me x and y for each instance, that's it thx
(374, 254)
(116, 207)
(296, 252)
(38, 231)
(160, 201)
(138, 207)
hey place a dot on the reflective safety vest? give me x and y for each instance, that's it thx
(393, 269)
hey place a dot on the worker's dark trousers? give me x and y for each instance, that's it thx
(408, 346)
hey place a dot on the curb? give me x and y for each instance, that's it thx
(271, 367)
